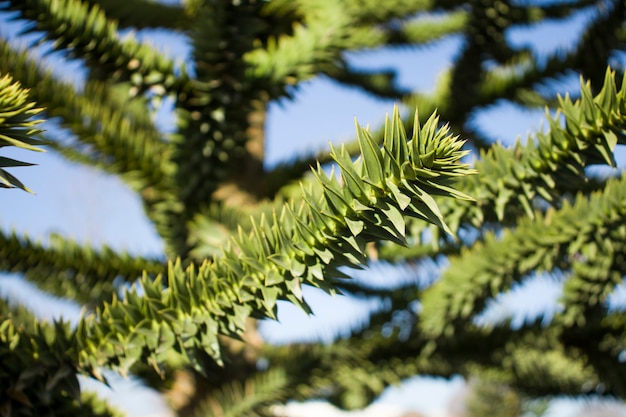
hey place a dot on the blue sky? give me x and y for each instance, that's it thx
(90, 206)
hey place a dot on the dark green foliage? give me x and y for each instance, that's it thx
(38, 374)
(250, 398)
(492, 399)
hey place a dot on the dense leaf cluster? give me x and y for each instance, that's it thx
(305, 244)
(16, 127)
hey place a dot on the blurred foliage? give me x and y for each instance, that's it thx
(492, 399)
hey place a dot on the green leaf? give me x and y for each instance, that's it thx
(402, 199)
(350, 177)
(355, 226)
(372, 159)
(607, 99)
(335, 198)
(395, 216)
(8, 162)
(325, 254)
(270, 296)
(606, 146)
(9, 181)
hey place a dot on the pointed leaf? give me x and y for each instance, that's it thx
(372, 159)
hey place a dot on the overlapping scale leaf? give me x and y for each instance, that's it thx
(83, 31)
(592, 128)
(305, 243)
(313, 45)
(16, 127)
(38, 371)
(110, 134)
(510, 181)
(581, 232)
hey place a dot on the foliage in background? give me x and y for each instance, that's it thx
(492, 399)
(239, 236)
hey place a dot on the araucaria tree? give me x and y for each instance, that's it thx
(239, 236)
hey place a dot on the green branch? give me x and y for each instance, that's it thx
(313, 47)
(369, 12)
(251, 397)
(353, 372)
(107, 128)
(510, 181)
(425, 30)
(488, 269)
(153, 14)
(38, 375)
(17, 127)
(377, 83)
(70, 270)
(300, 245)
(83, 31)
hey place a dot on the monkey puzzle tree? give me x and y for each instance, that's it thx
(239, 236)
